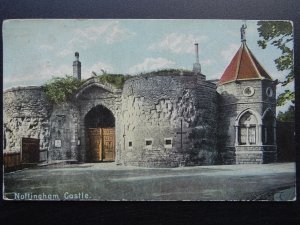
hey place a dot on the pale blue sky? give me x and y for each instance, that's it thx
(36, 50)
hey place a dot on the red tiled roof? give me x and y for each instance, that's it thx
(244, 66)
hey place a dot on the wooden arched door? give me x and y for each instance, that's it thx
(102, 144)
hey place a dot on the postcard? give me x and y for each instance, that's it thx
(148, 110)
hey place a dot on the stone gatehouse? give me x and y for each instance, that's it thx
(166, 119)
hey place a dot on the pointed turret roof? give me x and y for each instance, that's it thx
(244, 66)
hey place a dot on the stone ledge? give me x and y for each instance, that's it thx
(20, 88)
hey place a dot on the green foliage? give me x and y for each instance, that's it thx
(286, 96)
(280, 35)
(117, 80)
(60, 89)
(165, 72)
(287, 116)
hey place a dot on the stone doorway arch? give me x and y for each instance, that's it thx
(100, 135)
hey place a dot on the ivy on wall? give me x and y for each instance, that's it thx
(61, 89)
(163, 72)
(117, 80)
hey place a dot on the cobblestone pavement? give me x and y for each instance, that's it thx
(107, 181)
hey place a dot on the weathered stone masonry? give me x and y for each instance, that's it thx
(153, 108)
(166, 119)
(26, 113)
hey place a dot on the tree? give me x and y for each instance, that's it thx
(280, 35)
(287, 116)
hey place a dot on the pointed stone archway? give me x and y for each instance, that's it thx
(100, 135)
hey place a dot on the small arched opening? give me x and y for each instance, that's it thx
(100, 135)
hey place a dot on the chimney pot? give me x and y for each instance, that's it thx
(77, 67)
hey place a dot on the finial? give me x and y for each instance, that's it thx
(243, 32)
(77, 56)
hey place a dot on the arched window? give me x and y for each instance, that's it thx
(247, 129)
(268, 128)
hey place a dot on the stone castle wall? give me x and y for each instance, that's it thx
(64, 132)
(148, 114)
(26, 114)
(152, 110)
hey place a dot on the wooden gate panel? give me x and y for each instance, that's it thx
(108, 144)
(95, 136)
(30, 150)
(102, 144)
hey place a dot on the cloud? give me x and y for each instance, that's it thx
(117, 34)
(110, 32)
(43, 71)
(37, 74)
(228, 53)
(178, 43)
(97, 67)
(151, 64)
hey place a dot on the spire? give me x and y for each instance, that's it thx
(244, 66)
(197, 66)
(77, 67)
(197, 53)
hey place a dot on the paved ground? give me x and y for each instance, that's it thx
(106, 181)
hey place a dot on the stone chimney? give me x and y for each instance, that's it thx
(77, 67)
(197, 66)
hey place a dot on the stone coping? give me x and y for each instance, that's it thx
(109, 86)
(164, 74)
(208, 83)
(20, 88)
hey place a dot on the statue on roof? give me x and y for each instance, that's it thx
(243, 33)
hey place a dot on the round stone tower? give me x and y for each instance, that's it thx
(26, 115)
(169, 119)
